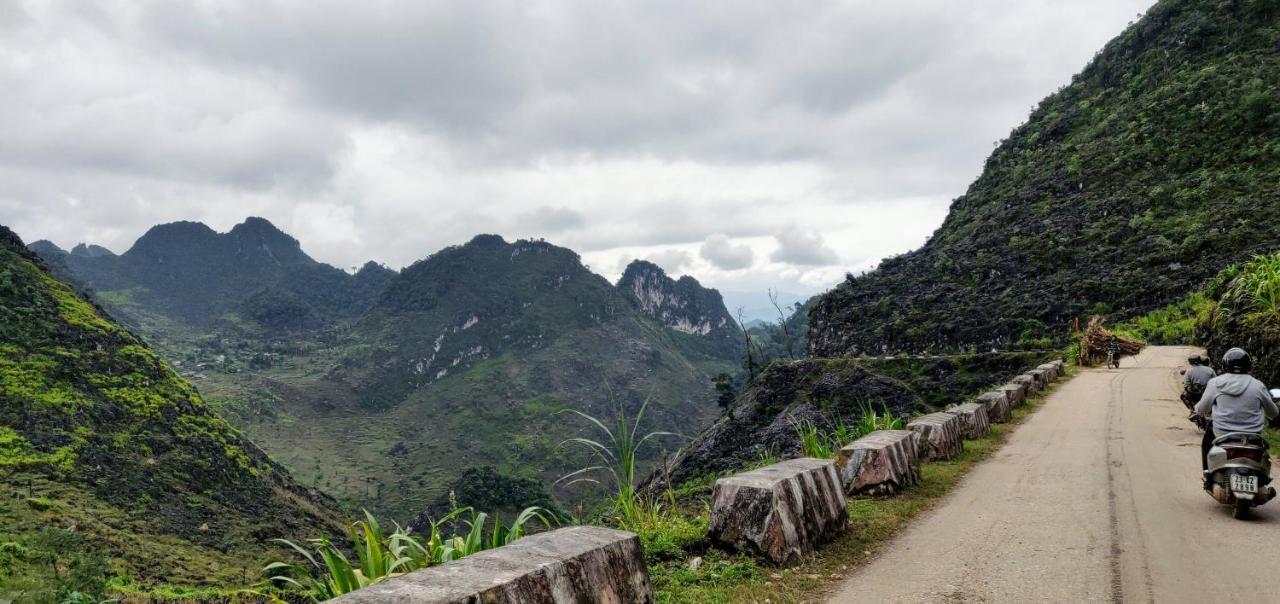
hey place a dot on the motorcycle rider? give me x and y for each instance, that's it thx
(1235, 402)
(1195, 379)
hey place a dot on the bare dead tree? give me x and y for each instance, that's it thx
(751, 363)
(782, 323)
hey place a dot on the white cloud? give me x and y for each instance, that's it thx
(803, 248)
(671, 261)
(388, 130)
(726, 255)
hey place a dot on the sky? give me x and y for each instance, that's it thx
(750, 144)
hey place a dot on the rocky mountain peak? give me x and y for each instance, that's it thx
(45, 248)
(683, 305)
(172, 237)
(89, 250)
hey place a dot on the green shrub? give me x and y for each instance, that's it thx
(380, 556)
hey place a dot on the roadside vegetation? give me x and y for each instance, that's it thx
(816, 442)
(329, 572)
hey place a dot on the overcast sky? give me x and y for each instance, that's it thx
(749, 144)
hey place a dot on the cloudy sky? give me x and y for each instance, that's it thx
(748, 143)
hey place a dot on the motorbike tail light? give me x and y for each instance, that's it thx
(1247, 453)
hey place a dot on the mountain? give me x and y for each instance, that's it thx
(683, 305)
(254, 277)
(102, 444)
(1154, 168)
(462, 362)
(468, 359)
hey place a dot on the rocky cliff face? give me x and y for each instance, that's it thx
(1154, 168)
(683, 305)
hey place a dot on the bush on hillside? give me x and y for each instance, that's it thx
(1245, 312)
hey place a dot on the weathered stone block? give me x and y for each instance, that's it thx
(881, 463)
(940, 436)
(1032, 385)
(1050, 370)
(1041, 376)
(1061, 365)
(568, 565)
(973, 420)
(1015, 392)
(780, 512)
(997, 404)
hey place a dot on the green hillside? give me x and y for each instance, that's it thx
(112, 465)
(468, 360)
(1155, 167)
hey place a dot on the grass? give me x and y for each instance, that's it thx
(1170, 325)
(615, 455)
(718, 577)
(380, 556)
(822, 444)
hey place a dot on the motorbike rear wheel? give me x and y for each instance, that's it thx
(1241, 510)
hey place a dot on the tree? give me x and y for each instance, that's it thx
(724, 390)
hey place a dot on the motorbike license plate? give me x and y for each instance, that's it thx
(1247, 484)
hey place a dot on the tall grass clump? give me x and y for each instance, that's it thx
(329, 573)
(872, 421)
(814, 442)
(823, 444)
(614, 454)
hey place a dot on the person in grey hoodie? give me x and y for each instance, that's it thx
(1235, 401)
(1196, 379)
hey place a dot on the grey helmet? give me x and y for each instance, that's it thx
(1237, 360)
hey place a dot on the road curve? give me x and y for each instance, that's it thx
(1095, 498)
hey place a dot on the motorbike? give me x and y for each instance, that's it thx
(1240, 470)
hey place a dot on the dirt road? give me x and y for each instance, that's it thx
(1095, 498)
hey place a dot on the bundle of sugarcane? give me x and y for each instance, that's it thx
(1095, 341)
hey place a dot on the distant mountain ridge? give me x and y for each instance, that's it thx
(254, 276)
(1156, 167)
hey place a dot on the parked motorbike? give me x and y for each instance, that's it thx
(1240, 470)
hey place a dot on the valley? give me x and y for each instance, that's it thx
(384, 396)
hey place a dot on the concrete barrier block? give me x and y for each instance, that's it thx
(940, 436)
(1030, 381)
(568, 565)
(1050, 370)
(997, 404)
(881, 463)
(1041, 377)
(973, 420)
(1015, 392)
(780, 512)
